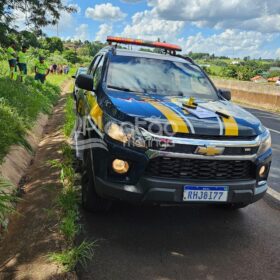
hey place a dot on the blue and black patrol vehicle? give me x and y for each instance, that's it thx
(153, 128)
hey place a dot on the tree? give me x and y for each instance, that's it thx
(52, 44)
(230, 71)
(274, 73)
(28, 38)
(83, 51)
(38, 13)
(198, 55)
(95, 47)
(71, 56)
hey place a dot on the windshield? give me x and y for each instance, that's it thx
(82, 71)
(164, 77)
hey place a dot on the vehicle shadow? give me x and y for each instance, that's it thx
(150, 238)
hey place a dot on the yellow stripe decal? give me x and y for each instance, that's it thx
(177, 123)
(96, 112)
(97, 115)
(176, 102)
(231, 126)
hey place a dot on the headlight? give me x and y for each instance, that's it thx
(116, 132)
(266, 142)
(125, 133)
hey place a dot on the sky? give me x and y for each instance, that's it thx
(234, 28)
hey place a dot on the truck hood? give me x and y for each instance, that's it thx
(225, 118)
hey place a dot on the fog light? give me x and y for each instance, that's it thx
(120, 166)
(262, 171)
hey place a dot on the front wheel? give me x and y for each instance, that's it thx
(90, 199)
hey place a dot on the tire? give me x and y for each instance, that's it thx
(234, 206)
(90, 199)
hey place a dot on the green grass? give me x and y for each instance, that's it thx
(69, 116)
(68, 200)
(7, 199)
(76, 255)
(69, 225)
(20, 105)
(57, 79)
(68, 205)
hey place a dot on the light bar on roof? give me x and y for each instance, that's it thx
(138, 42)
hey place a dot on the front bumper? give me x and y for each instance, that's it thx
(156, 190)
(138, 187)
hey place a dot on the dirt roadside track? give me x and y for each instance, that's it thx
(33, 234)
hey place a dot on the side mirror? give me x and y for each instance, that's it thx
(225, 93)
(74, 77)
(85, 82)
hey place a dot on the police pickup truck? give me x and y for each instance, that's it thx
(153, 128)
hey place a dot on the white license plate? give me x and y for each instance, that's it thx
(205, 193)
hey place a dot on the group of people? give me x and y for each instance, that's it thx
(19, 59)
(59, 69)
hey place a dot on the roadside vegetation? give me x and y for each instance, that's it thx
(20, 105)
(70, 117)
(68, 204)
(22, 102)
(243, 69)
(8, 198)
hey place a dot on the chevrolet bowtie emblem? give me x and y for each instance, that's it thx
(209, 150)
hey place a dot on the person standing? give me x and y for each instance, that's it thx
(41, 70)
(12, 59)
(22, 62)
(66, 69)
(55, 68)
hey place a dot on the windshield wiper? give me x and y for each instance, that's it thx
(121, 88)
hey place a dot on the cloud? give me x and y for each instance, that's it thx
(67, 21)
(257, 15)
(146, 25)
(131, 1)
(278, 53)
(230, 42)
(19, 21)
(76, 7)
(65, 24)
(105, 11)
(81, 32)
(103, 31)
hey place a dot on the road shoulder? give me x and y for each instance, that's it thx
(33, 233)
(272, 197)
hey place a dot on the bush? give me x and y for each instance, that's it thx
(20, 105)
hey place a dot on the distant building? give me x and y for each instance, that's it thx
(273, 80)
(258, 79)
(235, 62)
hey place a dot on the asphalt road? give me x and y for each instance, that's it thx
(182, 243)
(189, 242)
(272, 121)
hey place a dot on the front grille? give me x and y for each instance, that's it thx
(198, 169)
(190, 149)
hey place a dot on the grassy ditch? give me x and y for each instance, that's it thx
(8, 198)
(20, 105)
(68, 204)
